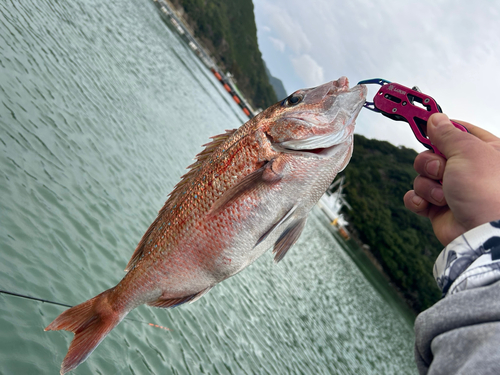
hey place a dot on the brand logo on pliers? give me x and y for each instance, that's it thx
(395, 89)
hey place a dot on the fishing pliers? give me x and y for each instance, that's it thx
(400, 103)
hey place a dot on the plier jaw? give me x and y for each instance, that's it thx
(400, 103)
(378, 81)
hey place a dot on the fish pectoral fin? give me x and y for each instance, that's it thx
(174, 302)
(268, 173)
(276, 225)
(288, 238)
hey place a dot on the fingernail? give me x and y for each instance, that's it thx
(416, 200)
(437, 194)
(432, 167)
(439, 119)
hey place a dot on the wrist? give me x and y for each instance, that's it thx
(471, 260)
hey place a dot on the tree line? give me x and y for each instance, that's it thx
(377, 177)
(227, 28)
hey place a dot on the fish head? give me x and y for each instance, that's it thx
(317, 123)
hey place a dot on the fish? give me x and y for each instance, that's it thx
(249, 190)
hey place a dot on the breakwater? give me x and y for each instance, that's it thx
(175, 23)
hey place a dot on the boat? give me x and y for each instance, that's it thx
(331, 204)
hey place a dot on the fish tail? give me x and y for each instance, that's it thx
(90, 321)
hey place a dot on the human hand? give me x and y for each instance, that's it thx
(470, 193)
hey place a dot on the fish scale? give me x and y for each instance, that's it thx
(250, 189)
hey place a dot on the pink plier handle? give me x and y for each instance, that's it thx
(400, 103)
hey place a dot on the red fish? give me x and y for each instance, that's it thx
(249, 190)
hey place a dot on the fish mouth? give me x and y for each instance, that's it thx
(318, 152)
(322, 146)
(325, 145)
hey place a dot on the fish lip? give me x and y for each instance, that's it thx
(321, 146)
(318, 153)
(308, 151)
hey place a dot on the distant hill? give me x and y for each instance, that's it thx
(278, 87)
(227, 30)
(377, 178)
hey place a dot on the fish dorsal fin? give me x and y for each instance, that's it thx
(179, 189)
(194, 168)
(288, 238)
(173, 302)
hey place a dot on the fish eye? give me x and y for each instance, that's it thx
(292, 100)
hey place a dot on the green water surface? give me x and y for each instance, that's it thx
(101, 109)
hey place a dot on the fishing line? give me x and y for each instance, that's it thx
(33, 298)
(65, 305)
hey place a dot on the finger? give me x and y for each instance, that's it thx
(430, 190)
(448, 139)
(416, 204)
(429, 164)
(482, 134)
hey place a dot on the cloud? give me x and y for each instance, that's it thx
(289, 31)
(447, 48)
(279, 45)
(309, 70)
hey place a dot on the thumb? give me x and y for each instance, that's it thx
(445, 136)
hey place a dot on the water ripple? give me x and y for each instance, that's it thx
(102, 108)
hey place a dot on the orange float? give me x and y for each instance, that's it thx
(216, 74)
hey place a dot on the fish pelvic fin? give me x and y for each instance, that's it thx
(166, 303)
(269, 173)
(288, 238)
(90, 321)
(276, 225)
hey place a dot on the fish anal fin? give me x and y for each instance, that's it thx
(265, 174)
(166, 303)
(288, 238)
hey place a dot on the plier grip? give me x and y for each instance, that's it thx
(400, 103)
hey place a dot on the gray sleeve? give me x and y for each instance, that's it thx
(461, 333)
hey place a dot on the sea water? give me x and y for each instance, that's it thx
(102, 108)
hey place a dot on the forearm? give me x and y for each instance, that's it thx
(461, 333)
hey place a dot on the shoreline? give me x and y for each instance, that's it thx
(373, 271)
(374, 261)
(177, 20)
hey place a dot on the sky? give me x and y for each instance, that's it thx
(449, 49)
